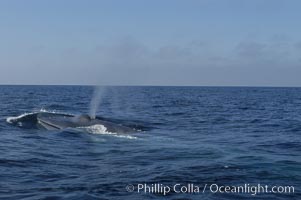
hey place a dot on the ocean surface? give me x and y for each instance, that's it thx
(220, 136)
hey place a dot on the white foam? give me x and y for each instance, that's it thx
(101, 129)
(97, 129)
(47, 111)
(43, 110)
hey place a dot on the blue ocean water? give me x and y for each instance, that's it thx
(188, 135)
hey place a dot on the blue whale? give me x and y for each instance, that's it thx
(54, 121)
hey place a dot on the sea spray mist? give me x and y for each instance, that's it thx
(95, 101)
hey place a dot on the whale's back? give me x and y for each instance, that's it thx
(61, 121)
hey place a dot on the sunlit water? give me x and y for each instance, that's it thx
(200, 135)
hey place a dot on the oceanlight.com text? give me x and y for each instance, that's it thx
(192, 188)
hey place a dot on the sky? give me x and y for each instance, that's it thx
(151, 42)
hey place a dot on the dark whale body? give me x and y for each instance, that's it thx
(53, 121)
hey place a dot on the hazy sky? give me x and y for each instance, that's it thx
(151, 42)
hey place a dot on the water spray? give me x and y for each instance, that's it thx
(95, 101)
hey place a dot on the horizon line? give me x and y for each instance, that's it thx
(148, 85)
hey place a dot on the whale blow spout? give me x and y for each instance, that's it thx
(95, 101)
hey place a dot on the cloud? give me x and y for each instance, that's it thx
(278, 51)
(126, 51)
(173, 52)
(298, 45)
(131, 61)
(251, 49)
